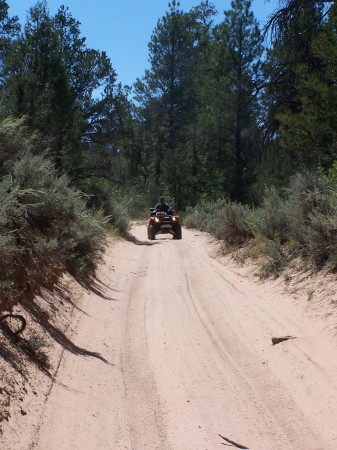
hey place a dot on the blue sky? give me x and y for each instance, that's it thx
(123, 28)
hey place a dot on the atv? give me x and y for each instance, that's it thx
(160, 222)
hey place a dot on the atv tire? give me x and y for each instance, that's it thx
(177, 232)
(151, 233)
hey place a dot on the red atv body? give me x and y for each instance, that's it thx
(163, 223)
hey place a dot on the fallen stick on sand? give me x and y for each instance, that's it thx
(277, 340)
(233, 443)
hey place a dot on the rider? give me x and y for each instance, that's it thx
(162, 206)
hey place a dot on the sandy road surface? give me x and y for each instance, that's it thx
(188, 343)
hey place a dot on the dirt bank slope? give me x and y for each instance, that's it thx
(183, 352)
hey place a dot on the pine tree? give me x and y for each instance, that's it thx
(310, 133)
(166, 94)
(240, 47)
(292, 46)
(9, 31)
(67, 91)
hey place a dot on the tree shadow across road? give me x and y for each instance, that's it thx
(94, 286)
(42, 317)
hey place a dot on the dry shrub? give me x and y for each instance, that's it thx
(45, 225)
(101, 196)
(270, 220)
(312, 212)
(231, 224)
(303, 222)
(224, 219)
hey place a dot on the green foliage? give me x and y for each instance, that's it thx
(225, 220)
(321, 236)
(286, 53)
(52, 78)
(198, 103)
(201, 215)
(9, 30)
(136, 204)
(231, 225)
(309, 193)
(83, 241)
(311, 209)
(36, 346)
(307, 102)
(102, 195)
(276, 261)
(15, 140)
(301, 222)
(272, 268)
(270, 220)
(241, 41)
(168, 102)
(44, 222)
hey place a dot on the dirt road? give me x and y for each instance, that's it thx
(187, 342)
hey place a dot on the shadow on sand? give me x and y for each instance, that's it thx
(136, 241)
(42, 317)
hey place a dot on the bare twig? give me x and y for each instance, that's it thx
(277, 340)
(234, 443)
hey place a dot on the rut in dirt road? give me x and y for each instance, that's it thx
(190, 341)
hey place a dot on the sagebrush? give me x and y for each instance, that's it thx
(300, 220)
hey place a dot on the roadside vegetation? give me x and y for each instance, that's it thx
(299, 221)
(45, 225)
(58, 148)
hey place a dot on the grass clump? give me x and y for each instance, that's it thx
(276, 260)
(36, 347)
